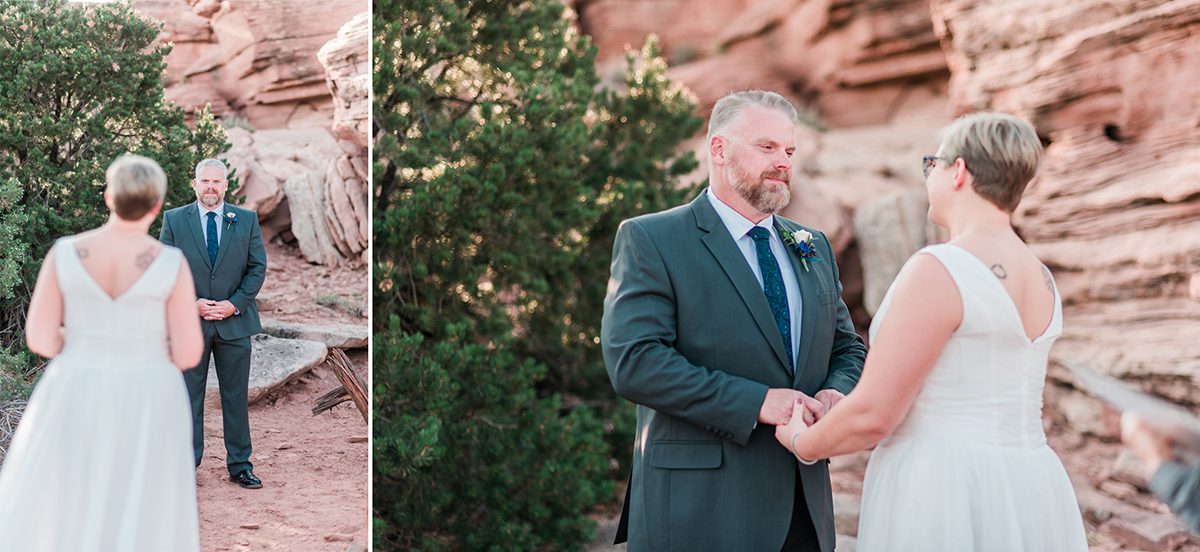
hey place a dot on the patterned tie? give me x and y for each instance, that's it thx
(773, 287)
(211, 235)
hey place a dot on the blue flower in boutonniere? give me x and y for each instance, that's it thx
(802, 242)
(230, 218)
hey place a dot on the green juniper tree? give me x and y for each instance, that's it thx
(82, 84)
(502, 169)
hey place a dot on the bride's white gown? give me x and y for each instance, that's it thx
(102, 460)
(969, 469)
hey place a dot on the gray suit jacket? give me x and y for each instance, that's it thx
(240, 269)
(688, 335)
(1178, 485)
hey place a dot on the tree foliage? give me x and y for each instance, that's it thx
(503, 166)
(83, 84)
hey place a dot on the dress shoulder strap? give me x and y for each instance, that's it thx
(66, 262)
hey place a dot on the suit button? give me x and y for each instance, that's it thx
(213, 277)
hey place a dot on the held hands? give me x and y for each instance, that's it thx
(828, 398)
(780, 404)
(215, 310)
(1152, 447)
(805, 412)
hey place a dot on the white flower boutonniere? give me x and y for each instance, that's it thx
(230, 218)
(802, 242)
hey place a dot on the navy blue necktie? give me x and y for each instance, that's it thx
(773, 287)
(211, 235)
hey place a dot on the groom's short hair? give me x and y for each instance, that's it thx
(1001, 152)
(726, 110)
(136, 185)
(213, 164)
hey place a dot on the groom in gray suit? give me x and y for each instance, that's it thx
(224, 249)
(719, 317)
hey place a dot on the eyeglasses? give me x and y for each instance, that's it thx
(928, 162)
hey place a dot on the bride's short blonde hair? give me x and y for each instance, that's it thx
(136, 186)
(1001, 151)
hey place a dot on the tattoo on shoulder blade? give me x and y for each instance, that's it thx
(82, 252)
(999, 271)
(1046, 275)
(145, 258)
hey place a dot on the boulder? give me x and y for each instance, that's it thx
(889, 230)
(265, 159)
(274, 362)
(338, 336)
(306, 199)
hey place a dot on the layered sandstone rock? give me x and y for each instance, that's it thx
(290, 82)
(255, 60)
(266, 159)
(855, 62)
(349, 79)
(1116, 209)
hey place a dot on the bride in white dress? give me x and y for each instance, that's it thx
(952, 387)
(102, 459)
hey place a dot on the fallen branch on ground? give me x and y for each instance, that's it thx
(351, 389)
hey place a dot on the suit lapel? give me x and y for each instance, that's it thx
(809, 284)
(226, 235)
(192, 214)
(722, 246)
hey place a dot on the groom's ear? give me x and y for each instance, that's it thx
(716, 150)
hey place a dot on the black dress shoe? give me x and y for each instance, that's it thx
(246, 479)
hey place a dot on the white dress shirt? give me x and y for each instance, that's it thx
(739, 228)
(220, 211)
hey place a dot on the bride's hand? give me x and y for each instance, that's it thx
(805, 411)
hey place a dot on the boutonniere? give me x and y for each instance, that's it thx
(230, 218)
(801, 241)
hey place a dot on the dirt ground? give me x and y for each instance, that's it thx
(314, 469)
(296, 291)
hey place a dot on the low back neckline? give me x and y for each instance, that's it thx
(96, 284)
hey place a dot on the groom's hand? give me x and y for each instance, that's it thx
(828, 398)
(778, 405)
(205, 307)
(217, 310)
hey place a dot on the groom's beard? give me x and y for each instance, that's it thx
(767, 198)
(210, 200)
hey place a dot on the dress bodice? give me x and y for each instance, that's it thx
(986, 387)
(128, 330)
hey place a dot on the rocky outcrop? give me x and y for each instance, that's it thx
(854, 62)
(306, 199)
(348, 76)
(1114, 210)
(349, 79)
(253, 60)
(889, 229)
(266, 159)
(290, 83)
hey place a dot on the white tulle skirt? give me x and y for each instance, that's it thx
(954, 495)
(102, 461)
